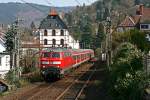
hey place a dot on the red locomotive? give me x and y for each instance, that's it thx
(56, 62)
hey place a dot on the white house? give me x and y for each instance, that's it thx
(54, 33)
(4, 59)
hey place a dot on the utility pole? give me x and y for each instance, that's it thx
(108, 41)
(17, 46)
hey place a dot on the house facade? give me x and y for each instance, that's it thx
(54, 33)
(4, 59)
(141, 20)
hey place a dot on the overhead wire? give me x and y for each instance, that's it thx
(33, 6)
(78, 2)
(50, 4)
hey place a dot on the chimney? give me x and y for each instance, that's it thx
(141, 8)
(53, 12)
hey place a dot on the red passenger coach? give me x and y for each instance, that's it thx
(56, 62)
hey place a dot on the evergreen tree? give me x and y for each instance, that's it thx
(86, 37)
(9, 42)
(9, 37)
(69, 19)
(137, 2)
(32, 25)
(100, 35)
(100, 11)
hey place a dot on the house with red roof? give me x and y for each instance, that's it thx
(141, 20)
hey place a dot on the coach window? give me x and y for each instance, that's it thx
(45, 32)
(45, 41)
(62, 32)
(62, 41)
(54, 42)
(53, 33)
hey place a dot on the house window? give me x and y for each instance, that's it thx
(54, 42)
(45, 41)
(53, 17)
(144, 26)
(62, 42)
(0, 60)
(53, 33)
(7, 61)
(62, 32)
(45, 32)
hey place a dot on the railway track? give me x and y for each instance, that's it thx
(74, 90)
(57, 90)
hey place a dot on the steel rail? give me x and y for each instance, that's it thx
(84, 86)
(72, 83)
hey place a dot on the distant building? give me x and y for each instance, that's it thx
(30, 46)
(141, 20)
(4, 58)
(54, 32)
(29, 53)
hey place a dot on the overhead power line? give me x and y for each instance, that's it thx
(88, 1)
(48, 2)
(33, 6)
(78, 2)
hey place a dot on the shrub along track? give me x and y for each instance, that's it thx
(47, 91)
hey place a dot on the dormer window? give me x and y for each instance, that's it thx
(45, 32)
(53, 17)
(57, 25)
(53, 33)
(62, 32)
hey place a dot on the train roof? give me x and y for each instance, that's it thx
(64, 50)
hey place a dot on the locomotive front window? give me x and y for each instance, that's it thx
(55, 55)
(46, 54)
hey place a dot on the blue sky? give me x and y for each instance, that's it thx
(53, 2)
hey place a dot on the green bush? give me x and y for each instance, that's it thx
(128, 79)
(35, 77)
(28, 69)
(130, 87)
(12, 78)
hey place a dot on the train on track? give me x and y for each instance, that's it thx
(55, 63)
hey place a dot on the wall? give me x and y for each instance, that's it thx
(5, 64)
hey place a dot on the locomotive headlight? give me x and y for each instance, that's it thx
(43, 72)
(45, 62)
(56, 62)
(43, 66)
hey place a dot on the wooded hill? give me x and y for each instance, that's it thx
(27, 11)
(84, 20)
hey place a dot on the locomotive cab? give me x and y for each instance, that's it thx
(50, 64)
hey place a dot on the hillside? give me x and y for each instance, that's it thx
(28, 12)
(84, 21)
